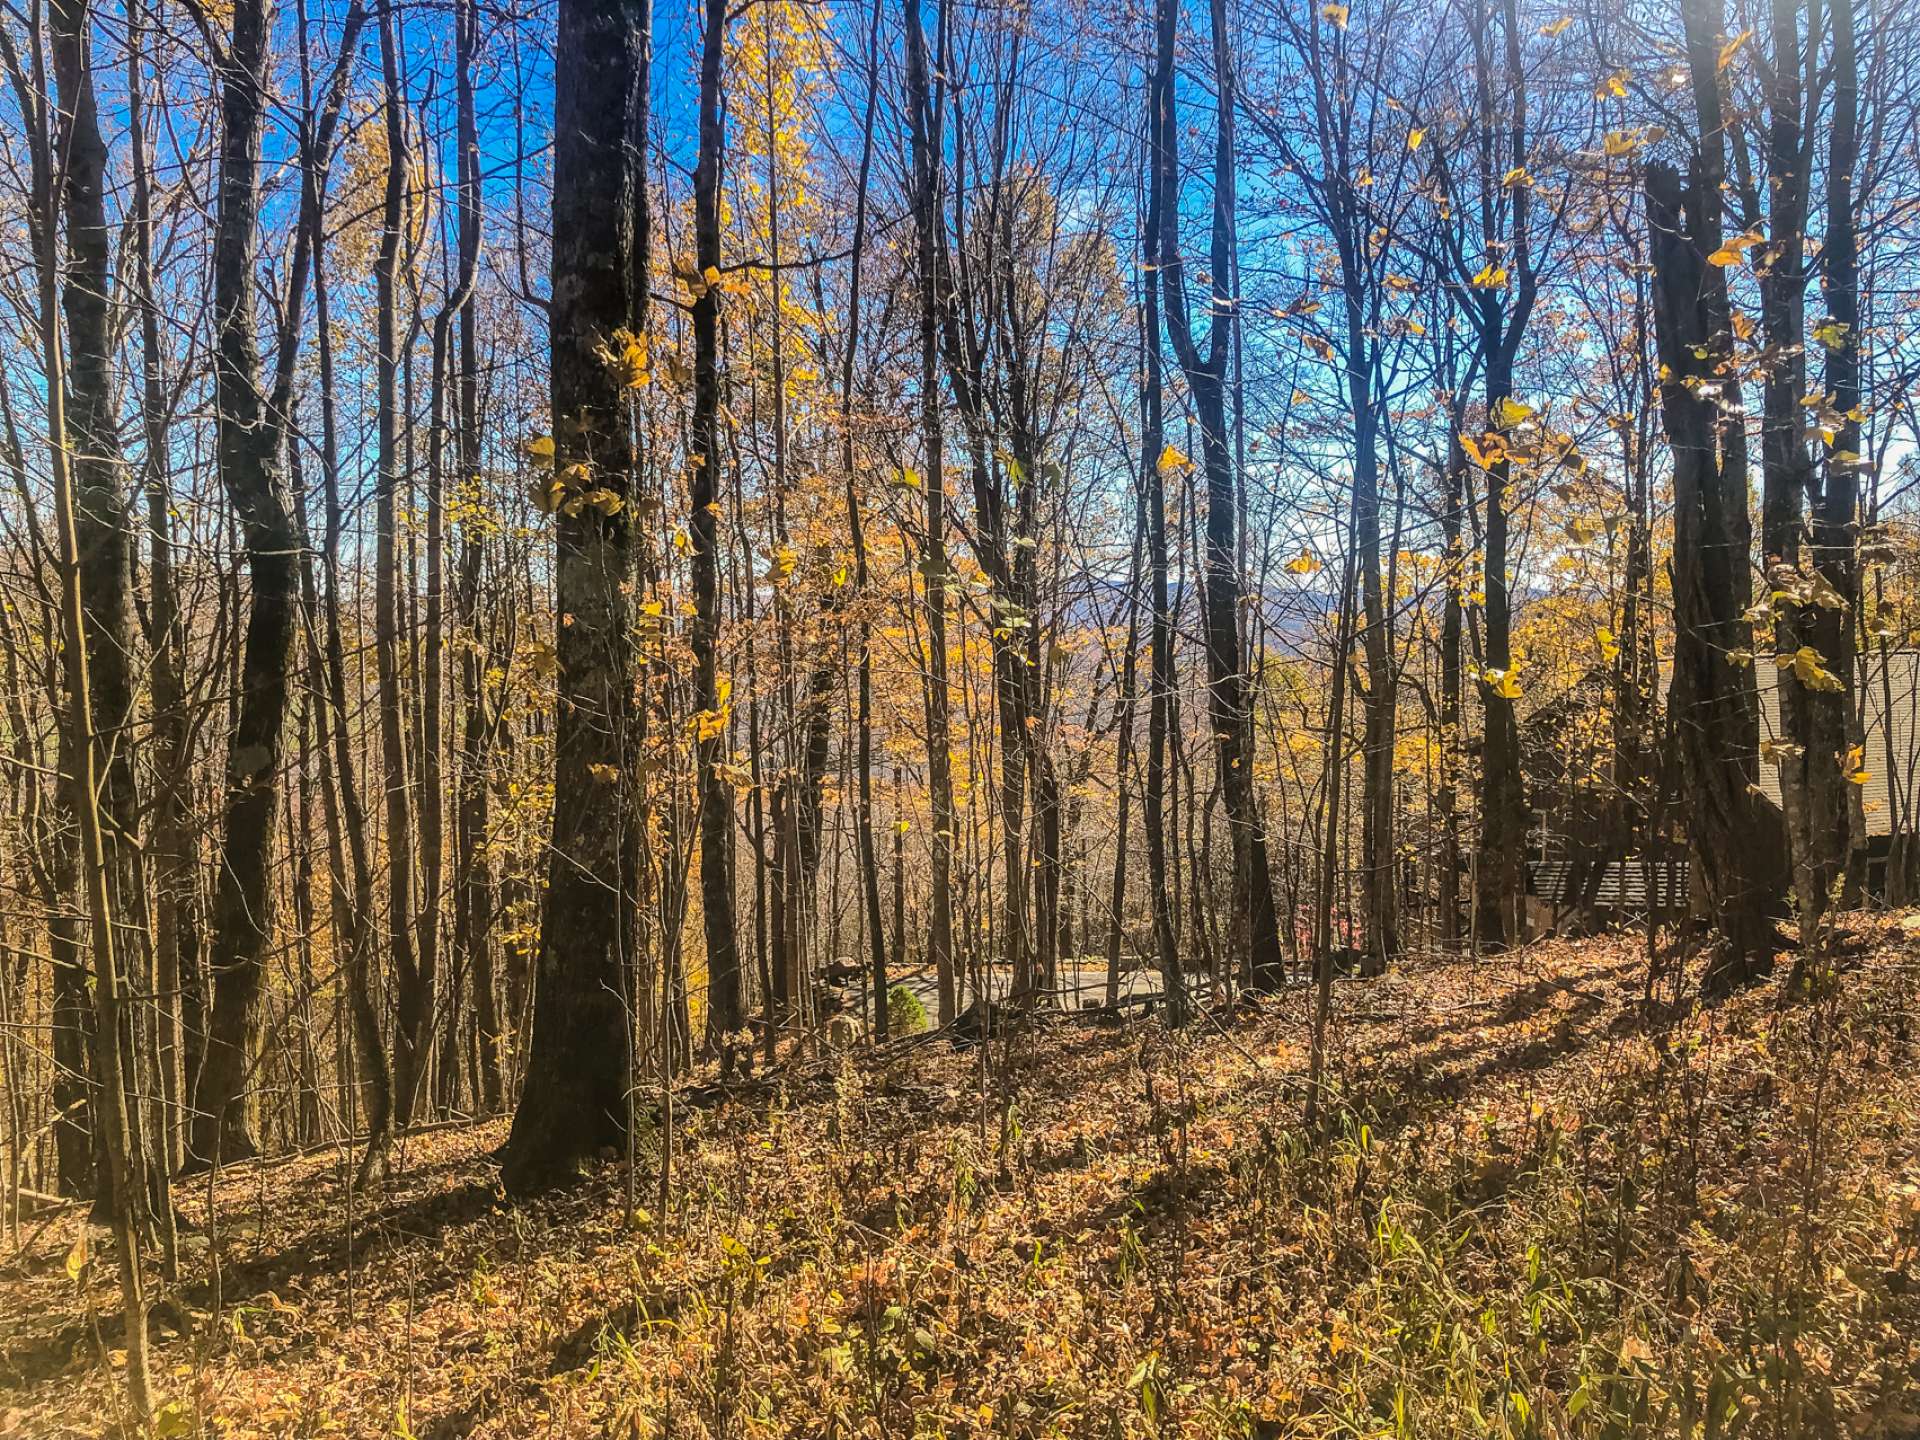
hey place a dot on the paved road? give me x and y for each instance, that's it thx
(1078, 984)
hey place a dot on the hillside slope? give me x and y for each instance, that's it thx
(1532, 1216)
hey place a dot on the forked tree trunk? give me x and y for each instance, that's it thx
(1256, 949)
(1738, 841)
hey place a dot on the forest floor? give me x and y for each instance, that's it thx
(1533, 1213)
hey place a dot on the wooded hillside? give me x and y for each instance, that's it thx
(584, 584)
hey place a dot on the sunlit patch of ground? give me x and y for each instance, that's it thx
(1532, 1214)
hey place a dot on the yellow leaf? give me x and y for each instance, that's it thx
(1740, 656)
(1504, 683)
(540, 447)
(1732, 47)
(1304, 563)
(1414, 137)
(1620, 142)
(604, 774)
(1485, 452)
(1832, 334)
(1809, 668)
(77, 1256)
(626, 355)
(1173, 458)
(1510, 412)
(782, 563)
(1491, 277)
(1517, 178)
(1334, 15)
(1853, 766)
(1400, 282)
(907, 479)
(1554, 29)
(1613, 87)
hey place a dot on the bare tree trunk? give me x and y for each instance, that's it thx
(1831, 755)
(1813, 789)
(78, 143)
(923, 121)
(1737, 837)
(726, 1011)
(576, 1101)
(1500, 325)
(1256, 948)
(1123, 757)
(250, 430)
(413, 998)
(856, 531)
(102, 530)
(473, 867)
(173, 841)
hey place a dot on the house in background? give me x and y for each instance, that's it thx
(1590, 864)
(1888, 694)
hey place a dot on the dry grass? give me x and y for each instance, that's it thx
(1529, 1217)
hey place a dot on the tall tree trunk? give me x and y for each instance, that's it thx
(1160, 676)
(413, 1000)
(1812, 720)
(473, 865)
(1453, 928)
(575, 1101)
(1123, 758)
(1256, 949)
(83, 153)
(857, 535)
(173, 841)
(346, 809)
(1831, 758)
(250, 429)
(1500, 323)
(923, 121)
(1736, 833)
(102, 528)
(726, 1010)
